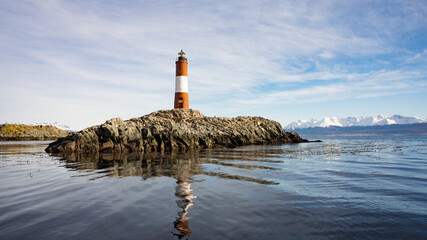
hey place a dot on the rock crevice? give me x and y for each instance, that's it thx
(170, 130)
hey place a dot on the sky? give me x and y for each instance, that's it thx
(81, 63)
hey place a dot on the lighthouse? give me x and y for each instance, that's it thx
(181, 82)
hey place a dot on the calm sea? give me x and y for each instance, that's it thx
(342, 188)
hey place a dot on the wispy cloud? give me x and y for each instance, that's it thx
(108, 51)
(354, 86)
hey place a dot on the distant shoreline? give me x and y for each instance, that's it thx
(384, 130)
(357, 135)
(5, 139)
(22, 132)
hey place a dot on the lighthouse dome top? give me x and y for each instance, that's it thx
(182, 56)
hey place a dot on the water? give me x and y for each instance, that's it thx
(342, 188)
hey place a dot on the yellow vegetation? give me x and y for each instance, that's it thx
(22, 129)
(15, 129)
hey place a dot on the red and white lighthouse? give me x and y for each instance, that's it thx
(181, 82)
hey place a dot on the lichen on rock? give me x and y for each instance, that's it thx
(170, 130)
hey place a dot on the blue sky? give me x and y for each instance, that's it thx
(83, 62)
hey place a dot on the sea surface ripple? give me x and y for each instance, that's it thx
(341, 188)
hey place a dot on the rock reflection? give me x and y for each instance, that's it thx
(175, 165)
(21, 147)
(144, 165)
(180, 166)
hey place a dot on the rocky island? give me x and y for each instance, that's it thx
(170, 130)
(25, 132)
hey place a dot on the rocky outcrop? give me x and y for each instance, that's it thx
(26, 132)
(177, 129)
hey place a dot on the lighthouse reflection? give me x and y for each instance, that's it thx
(184, 201)
(181, 166)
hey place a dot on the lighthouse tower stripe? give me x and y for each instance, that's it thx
(181, 84)
(181, 68)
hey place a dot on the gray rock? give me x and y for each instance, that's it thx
(170, 130)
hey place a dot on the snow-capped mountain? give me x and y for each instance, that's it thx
(55, 124)
(355, 121)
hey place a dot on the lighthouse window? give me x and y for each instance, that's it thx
(181, 100)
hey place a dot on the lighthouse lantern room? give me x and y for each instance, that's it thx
(181, 82)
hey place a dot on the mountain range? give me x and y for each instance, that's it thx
(379, 120)
(55, 124)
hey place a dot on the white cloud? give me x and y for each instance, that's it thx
(326, 54)
(100, 51)
(366, 85)
(417, 57)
